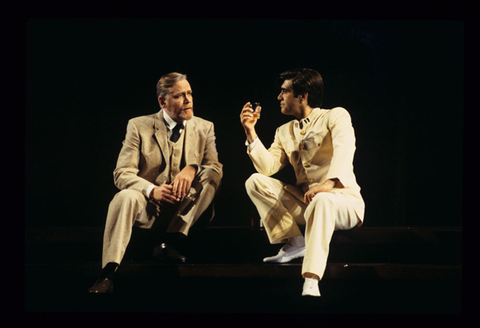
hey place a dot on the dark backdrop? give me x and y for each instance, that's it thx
(401, 81)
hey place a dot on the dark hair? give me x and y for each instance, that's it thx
(305, 80)
(167, 81)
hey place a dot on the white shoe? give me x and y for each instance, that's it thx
(310, 287)
(286, 254)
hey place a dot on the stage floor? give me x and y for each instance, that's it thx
(404, 273)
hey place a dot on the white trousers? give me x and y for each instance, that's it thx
(281, 213)
(131, 207)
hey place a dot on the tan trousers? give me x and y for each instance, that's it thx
(281, 213)
(131, 207)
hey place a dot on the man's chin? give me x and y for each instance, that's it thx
(186, 116)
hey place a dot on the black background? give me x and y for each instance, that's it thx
(401, 81)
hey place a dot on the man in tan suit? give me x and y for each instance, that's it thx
(320, 145)
(167, 170)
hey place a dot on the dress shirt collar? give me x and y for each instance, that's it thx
(170, 122)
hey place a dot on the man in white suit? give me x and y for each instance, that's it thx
(167, 171)
(319, 144)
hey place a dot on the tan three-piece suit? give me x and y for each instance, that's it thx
(148, 157)
(319, 147)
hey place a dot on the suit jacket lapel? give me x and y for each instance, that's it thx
(190, 141)
(161, 134)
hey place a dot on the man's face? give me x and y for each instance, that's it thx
(289, 104)
(178, 103)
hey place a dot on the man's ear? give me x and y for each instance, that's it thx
(303, 97)
(161, 101)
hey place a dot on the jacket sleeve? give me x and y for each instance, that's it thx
(210, 154)
(268, 162)
(125, 174)
(343, 140)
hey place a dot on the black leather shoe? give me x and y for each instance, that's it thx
(102, 286)
(164, 252)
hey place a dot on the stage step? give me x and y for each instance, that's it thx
(370, 270)
(412, 245)
(366, 252)
(352, 271)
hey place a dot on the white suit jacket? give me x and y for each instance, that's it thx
(319, 147)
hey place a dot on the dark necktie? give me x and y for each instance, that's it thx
(176, 132)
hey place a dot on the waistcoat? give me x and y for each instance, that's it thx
(177, 159)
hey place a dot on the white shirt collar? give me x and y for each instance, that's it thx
(170, 122)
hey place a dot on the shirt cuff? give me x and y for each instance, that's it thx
(251, 145)
(148, 190)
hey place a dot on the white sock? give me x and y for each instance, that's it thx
(310, 287)
(297, 241)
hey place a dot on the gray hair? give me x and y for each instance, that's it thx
(167, 81)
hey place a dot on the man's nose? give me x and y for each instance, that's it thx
(187, 99)
(279, 96)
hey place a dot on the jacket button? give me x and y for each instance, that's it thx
(306, 165)
(310, 180)
(302, 132)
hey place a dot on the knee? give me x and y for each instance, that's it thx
(317, 207)
(323, 199)
(125, 201)
(128, 196)
(252, 181)
(211, 177)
